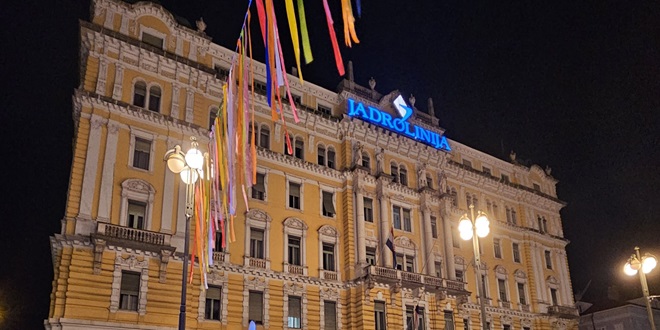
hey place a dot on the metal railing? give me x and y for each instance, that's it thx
(132, 234)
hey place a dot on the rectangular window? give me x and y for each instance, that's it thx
(371, 256)
(506, 327)
(256, 243)
(379, 315)
(368, 209)
(466, 324)
(540, 222)
(467, 163)
(256, 308)
(434, 227)
(486, 170)
(396, 217)
(501, 287)
(295, 313)
(438, 269)
(298, 150)
(459, 276)
(537, 187)
(410, 314)
(324, 110)
(212, 307)
(484, 280)
(449, 320)
(429, 181)
(331, 158)
(516, 252)
(152, 40)
(264, 138)
(294, 250)
(329, 315)
(328, 205)
(548, 260)
(407, 223)
(497, 247)
(399, 261)
(294, 195)
(521, 294)
(259, 187)
(136, 214)
(553, 295)
(219, 238)
(329, 257)
(129, 291)
(410, 264)
(141, 153)
(320, 155)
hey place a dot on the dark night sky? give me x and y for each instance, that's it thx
(568, 84)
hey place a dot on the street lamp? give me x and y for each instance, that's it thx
(646, 264)
(189, 167)
(473, 228)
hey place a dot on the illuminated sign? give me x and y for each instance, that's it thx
(399, 125)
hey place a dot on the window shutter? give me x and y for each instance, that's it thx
(294, 189)
(130, 282)
(213, 292)
(330, 314)
(256, 306)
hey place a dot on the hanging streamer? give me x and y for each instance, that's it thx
(333, 38)
(293, 29)
(349, 23)
(307, 49)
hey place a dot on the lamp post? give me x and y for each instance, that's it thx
(188, 166)
(473, 228)
(646, 264)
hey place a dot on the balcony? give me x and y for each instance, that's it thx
(329, 275)
(256, 262)
(566, 312)
(505, 304)
(414, 280)
(219, 257)
(296, 270)
(525, 308)
(133, 238)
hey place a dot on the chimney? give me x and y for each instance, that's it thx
(350, 71)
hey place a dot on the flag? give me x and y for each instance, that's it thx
(418, 311)
(390, 244)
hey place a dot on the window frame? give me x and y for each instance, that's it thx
(295, 227)
(497, 248)
(368, 210)
(516, 252)
(380, 315)
(126, 292)
(138, 191)
(143, 135)
(259, 220)
(254, 192)
(212, 317)
(328, 193)
(289, 201)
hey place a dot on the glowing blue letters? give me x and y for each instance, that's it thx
(399, 125)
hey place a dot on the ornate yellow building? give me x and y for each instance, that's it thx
(311, 251)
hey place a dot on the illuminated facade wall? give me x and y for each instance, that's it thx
(310, 252)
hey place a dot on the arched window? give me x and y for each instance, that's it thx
(403, 175)
(139, 93)
(394, 171)
(154, 98)
(331, 157)
(366, 161)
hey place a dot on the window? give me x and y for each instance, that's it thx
(545, 225)
(407, 223)
(154, 98)
(328, 205)
(294, 250)
(141, 153)
(410, 264)
(468, 200)
(466, 324)
(414, 318)
(326, 157)
(213, 114)
(366, 161)
(548, 260)
(256, 308)
(540, 222)
(434, 227)
(212, 307)
(152, 40)
(397, 214)
(256, 243)
(295, 313)
(330, 315)
(486, 170)
(454, 197)
(396, 217)
(514, 218)
(371, 256)
(505, 178)
(321, 155)
(296, 98)
(329, 257)
(394, 171)
(264, 137)
(324, 110)
(553, 295)
(219, 238)
(467, 163)
(130, 290)
(399, 261)
(521, 294)
(259, 187)
(508, 215)
(484, 280)
(221, 72)
(516, 252)
(136, 212)
(405, 262)
(379, 315)
(331, 158)
(294, 195)
(497, 248)
(410, 317)
(506, 327)
(259, 86)
(368, 209)
(501, 287)
(139, 94)
(403, 175)
(438, 269)
(459, 275)
(449, 320)
(299, 148)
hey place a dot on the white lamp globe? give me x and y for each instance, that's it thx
(628, 270)
(175, 160)
(648, 263)
(188, 175)
(194, 158)
(465, 229)
(483, 226)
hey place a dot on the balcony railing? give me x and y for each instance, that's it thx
(455, 285)
(257, 263)
(525, 308)
(296, 270)
(409, 279)
(563, 311)
(505, 304)
(219, 257)
(132, 234)
(412, 278)
(329, 275)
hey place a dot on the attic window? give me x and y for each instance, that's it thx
(152, 40)
(324, 110)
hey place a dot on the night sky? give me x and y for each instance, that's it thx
(568, 84)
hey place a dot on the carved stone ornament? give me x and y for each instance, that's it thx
(526, 322)
(138, 185)
(256, 283)
(404, 241)
(293, 222)
(499, 269)
(327, 230)
(329, 294)
(552, 280)
(164, 260)
(201, 26)
(506, 319)
(520, 274)
(558, 325)
(132, 262)
(459, 260)
(257, 214)
(295, 289)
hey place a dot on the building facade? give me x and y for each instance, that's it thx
(631, 314)
(310, 253)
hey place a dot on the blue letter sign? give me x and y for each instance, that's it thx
(399, 125)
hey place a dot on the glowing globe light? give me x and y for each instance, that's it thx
(188, 175)
(194, 158)
(648, 263)
(175, 160)
(483, 225)
(465, 229)
(628, 270)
